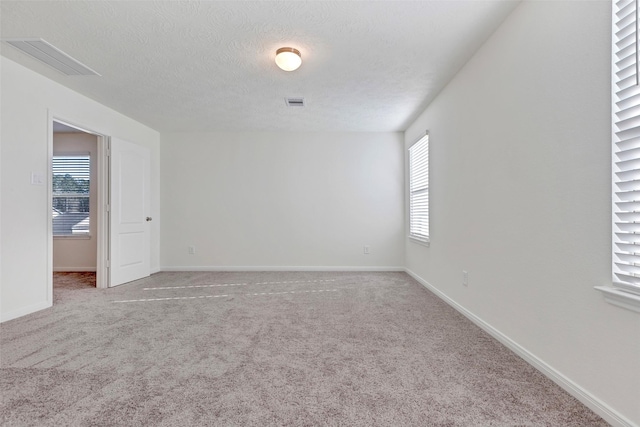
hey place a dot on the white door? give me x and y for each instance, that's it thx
(130, 237)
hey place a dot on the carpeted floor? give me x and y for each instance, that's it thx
(266, 349)
(68, 287)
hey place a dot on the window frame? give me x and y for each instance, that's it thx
(624, 289)
(416, 235)
(90, 195)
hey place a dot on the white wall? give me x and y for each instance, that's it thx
(520, 198)
(26, 99)
(282, 200)
(79, 253)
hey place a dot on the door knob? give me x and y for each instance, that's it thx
(149, 218)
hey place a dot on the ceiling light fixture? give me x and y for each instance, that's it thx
(288, 58)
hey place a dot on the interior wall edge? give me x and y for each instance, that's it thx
(587, 398)
(281, 268)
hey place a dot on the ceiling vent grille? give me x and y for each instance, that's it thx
(52, 56)
(294, 102)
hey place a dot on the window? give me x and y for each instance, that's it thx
(625, 291)
(419, 190)
(70, 205)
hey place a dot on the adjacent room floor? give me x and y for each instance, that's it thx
(295, 348)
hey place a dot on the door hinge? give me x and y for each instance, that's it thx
(108, 208)
(108, 263)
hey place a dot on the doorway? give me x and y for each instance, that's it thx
(77, 220)
(74, 202)
(73, 211)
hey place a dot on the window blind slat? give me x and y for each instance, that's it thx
(629, 164)
(626, 40)
(628, 185)
(626, 155)
(628, 175)
(633, 121)
(627, 144)
(628, 133)
(627, 205)
(626, 15)
(628, 70)
(626, 63)
(627, 93)
(627, 82)
(632, 111)
(626, 55)
(623, 32)
(621, 6)
(627, 103)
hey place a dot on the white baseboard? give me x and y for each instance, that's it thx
(73, 269)
(592, 402)
(24, 311)
(278, 268)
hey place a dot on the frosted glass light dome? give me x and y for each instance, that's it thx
(288, 58)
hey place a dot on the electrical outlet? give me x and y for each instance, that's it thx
(465, 278)
(192, 250)
(366, 249)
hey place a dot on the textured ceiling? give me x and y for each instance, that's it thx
(208, 65)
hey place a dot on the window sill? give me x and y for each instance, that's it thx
(620, 298)
(423, 242)
(78, 237)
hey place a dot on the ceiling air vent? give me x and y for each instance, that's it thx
(52, 56)
(294, 102)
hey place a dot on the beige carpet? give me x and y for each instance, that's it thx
(266, 349)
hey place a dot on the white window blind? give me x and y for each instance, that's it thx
(419, 189)
(70, 204)
(626, 147)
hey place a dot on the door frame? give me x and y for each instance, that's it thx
(102, 214)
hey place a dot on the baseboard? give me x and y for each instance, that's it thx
(592, 402)
(74, 269)
(24, 311)
(279, 268)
